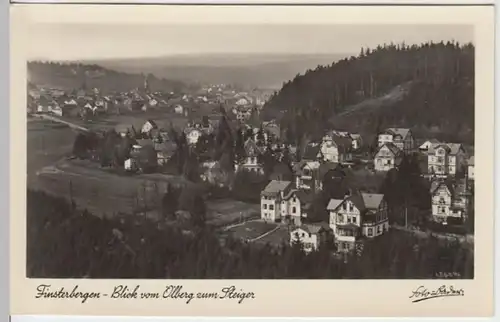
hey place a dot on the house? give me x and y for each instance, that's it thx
(260, 136)
(400, 137)
(306, 200)
(272, 129)
(153, 102)
(125, 129)
(424, 147)
(335, 148)
(357, 141)
(131, 165)
(192, 135)
(242, 102)
(91, 108)
(57, 110)
(310, 236)
(470, 168)
(449, 200)
(446, 159)
(279, 201)
(251, 160)
(387, 157)
(164, 151)
(307, 175)
(148, 126)
(243, 114)
(178, 109)
(312, 152)
(70, 103)
(357, 216)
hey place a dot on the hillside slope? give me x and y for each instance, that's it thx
(429, 88)
(75, 76)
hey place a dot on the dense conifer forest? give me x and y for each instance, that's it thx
(427, 87)
(64, 242)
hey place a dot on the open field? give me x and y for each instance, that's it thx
(276, 238)
(46, 143)
(228, 211)
(251, 229)
(104, 191)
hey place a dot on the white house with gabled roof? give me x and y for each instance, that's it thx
(279, 201)
(357, 216)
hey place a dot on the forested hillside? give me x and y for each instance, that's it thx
(429, 88)
(75, 76)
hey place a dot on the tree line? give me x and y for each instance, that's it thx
(440, 100)
(83, 245)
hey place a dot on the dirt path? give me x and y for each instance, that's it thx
(58, 120)
(265, 234)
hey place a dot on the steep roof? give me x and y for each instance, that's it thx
(153, 123)
(251, 147)
(274, 187)
(403, 132)
(333, 204)
(362, 201)
(392, 147)
(435, 185)
(451, 148)
(312, 228)
(454, 148)
(372, 200)
(311, 152)
(356, 136)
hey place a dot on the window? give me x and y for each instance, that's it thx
(344, 206)
(303, 234)
(349, 219)
(378, 230)
(370, 232)
(264, 206)
(340, 218)
(440, 160)
(294, 199)
(294, 210)
(271, 207)
(354, 219)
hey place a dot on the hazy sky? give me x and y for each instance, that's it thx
(78, 41)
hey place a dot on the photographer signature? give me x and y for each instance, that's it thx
(422, 293)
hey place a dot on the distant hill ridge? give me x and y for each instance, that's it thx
(428, 87)
(71, 76)
(242, 70)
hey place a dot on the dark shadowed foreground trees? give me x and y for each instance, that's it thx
(66, 243)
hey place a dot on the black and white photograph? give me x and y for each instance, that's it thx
(250, 151)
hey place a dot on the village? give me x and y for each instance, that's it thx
(325, 192)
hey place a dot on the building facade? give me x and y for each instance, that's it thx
(357, 216)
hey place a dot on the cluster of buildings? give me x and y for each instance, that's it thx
(88, 104)
(360, 216)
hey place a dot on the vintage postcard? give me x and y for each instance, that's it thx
(294, 161)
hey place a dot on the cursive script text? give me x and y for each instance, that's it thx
(422, 293)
